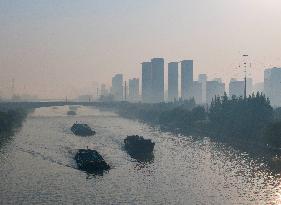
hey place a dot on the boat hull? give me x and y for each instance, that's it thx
(139, 148)
(90, 161)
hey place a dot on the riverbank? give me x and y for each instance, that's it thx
(249, 121)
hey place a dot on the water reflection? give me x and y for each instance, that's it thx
(6, 138)
(92, 174)
(269, 159)
(142, 157)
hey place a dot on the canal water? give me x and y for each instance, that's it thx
(37, 166)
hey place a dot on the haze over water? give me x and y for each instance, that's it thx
(65, 52)
(37, 166)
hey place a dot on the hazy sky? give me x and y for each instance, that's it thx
(54, 48)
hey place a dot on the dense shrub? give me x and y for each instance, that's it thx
(238, 117)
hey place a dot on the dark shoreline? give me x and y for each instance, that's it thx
(11, 120)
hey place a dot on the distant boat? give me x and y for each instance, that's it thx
(71, 112)
(90, 161)
(82, 129)
(73, 107)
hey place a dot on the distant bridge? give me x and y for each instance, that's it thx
(12, 105)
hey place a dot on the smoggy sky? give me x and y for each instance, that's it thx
(54, 48)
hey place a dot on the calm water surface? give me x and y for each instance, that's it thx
(37, 166)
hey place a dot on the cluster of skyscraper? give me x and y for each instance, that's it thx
(120, 91)
(271, 86)
(185, 87)
(153, 83)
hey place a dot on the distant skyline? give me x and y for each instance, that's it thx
(57, 48)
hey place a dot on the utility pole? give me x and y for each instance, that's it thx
(245, 87)
(245, 77)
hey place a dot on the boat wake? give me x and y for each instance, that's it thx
(47, 158)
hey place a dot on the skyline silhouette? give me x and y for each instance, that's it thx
(46, 45)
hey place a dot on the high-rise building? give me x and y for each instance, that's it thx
(173, 86)
(272, 85)
(157, 66)
(214, 88)
(196, 91)
(186, 78)
(134, 89)
(219, 80)
(267, 82)
(103, 90)
(249, 88)
(258, 87)
(146, 82)
(202, 78)
(236, 88)
(117, 87)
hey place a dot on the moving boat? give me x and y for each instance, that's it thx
(71, 112)
(137, 144)
(82, 129)
(90, 161)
